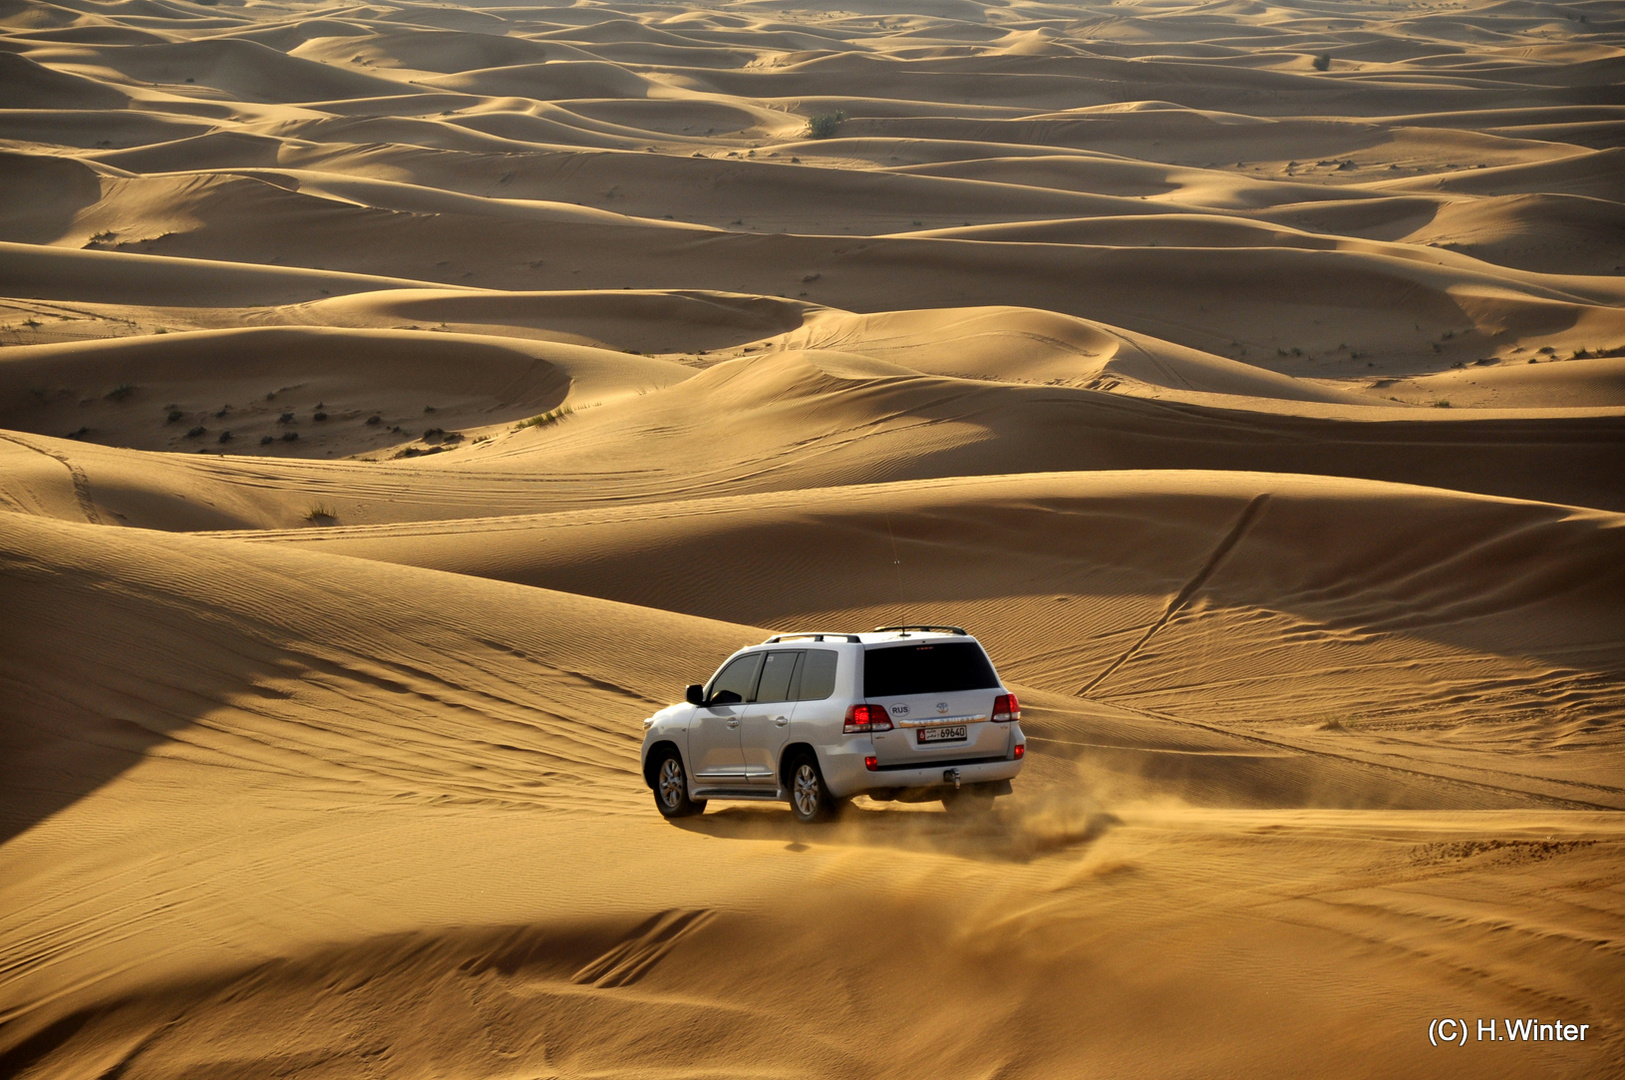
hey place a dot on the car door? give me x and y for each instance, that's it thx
(818, 714)
(765, 723)
(714, 752)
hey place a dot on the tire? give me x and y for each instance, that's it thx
(671, 788)
(810, 800)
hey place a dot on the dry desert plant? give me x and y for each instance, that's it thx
(825, 125)
(549, 417)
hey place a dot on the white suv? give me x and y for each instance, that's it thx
(912, 713)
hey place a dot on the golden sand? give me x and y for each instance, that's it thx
(399, 402)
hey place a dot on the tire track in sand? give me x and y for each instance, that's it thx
(1231, 539)
(81, 482)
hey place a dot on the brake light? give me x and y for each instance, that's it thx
(861, 719)
(1006, 709)
(871, 763)
(1021, 750)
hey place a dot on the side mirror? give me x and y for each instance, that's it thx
(695, 695)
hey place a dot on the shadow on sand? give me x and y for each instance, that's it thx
(1014, 833)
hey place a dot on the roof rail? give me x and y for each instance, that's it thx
(816, 635)
(960, 630)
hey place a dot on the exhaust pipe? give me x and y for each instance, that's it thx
(951, 776)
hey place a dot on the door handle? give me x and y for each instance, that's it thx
(733, 723)
(781, 720)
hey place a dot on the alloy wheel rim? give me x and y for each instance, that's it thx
(671, 782)
(806, 790)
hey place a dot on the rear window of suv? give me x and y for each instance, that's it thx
(936, 668)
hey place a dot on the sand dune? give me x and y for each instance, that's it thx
(36, 272)
(30, 85)
(1025, 346)
(277, 380)
(664, 321)
(242, 70)
(1243, 300)
(1092, 559)
(399, 402)
(1549, 233)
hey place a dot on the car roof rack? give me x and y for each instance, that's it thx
(960, 630)
(816, 635)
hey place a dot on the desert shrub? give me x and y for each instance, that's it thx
(120, 392)
(549, 417)
(1323, 62)
(320, 512)
(824, 125)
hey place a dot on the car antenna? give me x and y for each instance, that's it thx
(897, 561)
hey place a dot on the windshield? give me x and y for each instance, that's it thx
(936, 668)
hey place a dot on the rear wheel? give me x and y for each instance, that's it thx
(671, 788)
(810, 800)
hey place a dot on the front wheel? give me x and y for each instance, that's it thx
(671, 788)
(810, 800)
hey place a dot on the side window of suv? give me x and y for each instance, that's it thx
(816, 679)
(776, 672)
(736, 682)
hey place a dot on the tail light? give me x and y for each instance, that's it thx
(1006, 709)
(861, 719)
(1021, 750)
(871, 763)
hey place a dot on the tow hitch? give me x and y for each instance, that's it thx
(951, 776)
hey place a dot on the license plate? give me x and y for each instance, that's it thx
(955, 733)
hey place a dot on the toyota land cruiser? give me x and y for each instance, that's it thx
(911, 713)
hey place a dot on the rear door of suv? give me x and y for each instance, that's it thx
(938, 694)
(810, 711)
(765, 722)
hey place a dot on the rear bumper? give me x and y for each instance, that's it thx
(845, 774)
